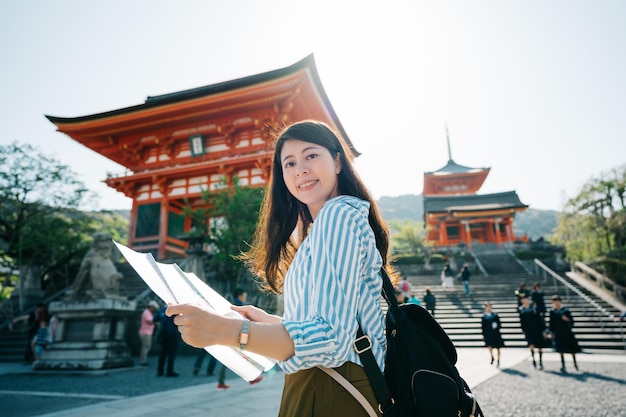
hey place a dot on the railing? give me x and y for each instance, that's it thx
(520, 263)
(602, 281)
(479, 264)
(601, 311)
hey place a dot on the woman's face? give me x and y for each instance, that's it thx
(310, 173)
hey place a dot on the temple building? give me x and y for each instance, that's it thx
(456, 215)
(175, 146)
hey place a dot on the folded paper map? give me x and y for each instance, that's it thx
(174, 286)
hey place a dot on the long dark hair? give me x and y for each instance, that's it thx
(275, 243)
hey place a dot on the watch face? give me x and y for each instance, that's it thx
(243, 336)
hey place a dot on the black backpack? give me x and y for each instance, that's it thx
(420, 379)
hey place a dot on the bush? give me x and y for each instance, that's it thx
(437, 258)
(527, 255)
(408, 260)
(616, 270)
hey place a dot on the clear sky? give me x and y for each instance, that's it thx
(533, 89)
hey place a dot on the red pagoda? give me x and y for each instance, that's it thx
(176, 145)
(455, 214)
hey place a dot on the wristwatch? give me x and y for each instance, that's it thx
(243, 336)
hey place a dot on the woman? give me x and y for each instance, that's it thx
(561, 324)
(491, 331)
(321, 242)
(447, 277)
(534, 329)
(536, 295)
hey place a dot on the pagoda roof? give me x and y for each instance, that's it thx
(110, 133)
(497, 202)
(453, 168)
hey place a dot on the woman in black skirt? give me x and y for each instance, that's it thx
(534, 329)
(491, 331)
(561, 324)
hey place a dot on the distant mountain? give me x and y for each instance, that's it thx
(408, 206)
(534, 223)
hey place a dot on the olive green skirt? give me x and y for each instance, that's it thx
(313, 393)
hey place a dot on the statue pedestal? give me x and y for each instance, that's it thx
(89, 335)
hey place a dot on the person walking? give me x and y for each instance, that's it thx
(168, 338)
(320, 241)
(490, 325)
(465, 277)
(430, 301)
(405, 287)
(146, 330)
(447, 277)
(32, 321)
(561, 324)
(534, 329)
(41, 340)
(521, 292)
(537, 296)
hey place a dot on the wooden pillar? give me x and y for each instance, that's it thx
(467, 231)
(132, 225)
(490, 235)
(498, 236)
(443, 232)
(163, 220)
(510, 232)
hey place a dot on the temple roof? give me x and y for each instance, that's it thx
(473, 203)
(453, 168)
(294, 91)
(221, 87)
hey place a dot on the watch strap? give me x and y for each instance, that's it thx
(244, 334)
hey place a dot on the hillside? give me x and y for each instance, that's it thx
(534, 223)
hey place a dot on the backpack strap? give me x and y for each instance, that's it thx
(351, 389)
(363, 346)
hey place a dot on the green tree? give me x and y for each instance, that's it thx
(407, 236)
(228, 220)
(593, 223)
(41, 228)
(408, 242)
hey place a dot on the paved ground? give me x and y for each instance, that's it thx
(514, 389)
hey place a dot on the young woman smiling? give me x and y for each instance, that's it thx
(321, 242)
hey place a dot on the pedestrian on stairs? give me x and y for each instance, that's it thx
(447, 277)
(465, 277)
(521, 292)
(537, 296)
(534, 329)
(561, 324)
(430, 301)
(490, 324)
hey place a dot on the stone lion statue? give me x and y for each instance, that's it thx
(98, 277)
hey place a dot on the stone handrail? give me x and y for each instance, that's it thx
(569, 287)
(603, 281)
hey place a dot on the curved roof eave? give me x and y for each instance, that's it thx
(169, 98)
(453, 168)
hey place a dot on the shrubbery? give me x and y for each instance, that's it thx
(615, 269)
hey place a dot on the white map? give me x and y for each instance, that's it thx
(174, 286)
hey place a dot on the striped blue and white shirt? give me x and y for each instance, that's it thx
(333, 279)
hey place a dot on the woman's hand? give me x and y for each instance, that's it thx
(256, 314)
(200, 326)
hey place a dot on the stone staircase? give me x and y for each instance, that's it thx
(499, 262)
(460, 315)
